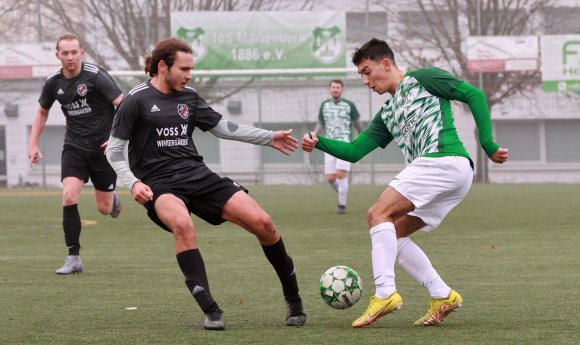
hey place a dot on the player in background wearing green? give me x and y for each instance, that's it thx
(438, 176)
(335, 116)
(88, 96)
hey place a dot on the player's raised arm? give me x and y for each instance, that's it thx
(349, 151)
(280, 140)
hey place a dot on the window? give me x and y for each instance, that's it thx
(50, 144)
(563, 141)
(522, 138)
(545, 141)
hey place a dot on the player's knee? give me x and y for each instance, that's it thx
(263, 226)
(69, 199)
(375, 216)
(182, 229)
(104, 209)
(181, 225)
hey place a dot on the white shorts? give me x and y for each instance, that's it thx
(332, 164)
(435, 186)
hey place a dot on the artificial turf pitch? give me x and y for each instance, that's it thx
(512, 251)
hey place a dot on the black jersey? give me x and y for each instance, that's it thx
(159, 128)
(87, 103)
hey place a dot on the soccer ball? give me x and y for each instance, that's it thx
(340, 287)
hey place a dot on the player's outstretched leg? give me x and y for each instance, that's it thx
(439, 309)
(379, 307)
(443, 300)
(193, 268)
(284, 267)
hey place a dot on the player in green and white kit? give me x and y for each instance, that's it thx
(335, 116)
(439, 174)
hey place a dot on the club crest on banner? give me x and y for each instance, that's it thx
(196, 38)
(326, 44)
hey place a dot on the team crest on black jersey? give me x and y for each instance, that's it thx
(183, 111)
(82, 90)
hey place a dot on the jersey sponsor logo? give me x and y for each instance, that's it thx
(82, 90)
(409, 126)
(183, 110)
(60, 92)
(172, 131)
(155, 108)
(173, 142)
(78, 107)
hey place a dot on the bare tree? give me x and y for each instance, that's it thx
(117, 34)
(434, 33)
(19, 21)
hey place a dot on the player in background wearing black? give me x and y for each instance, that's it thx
(167, 175)
(88, 96)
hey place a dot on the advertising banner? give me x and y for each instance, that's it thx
(494, 54)
(263, 40)
(33, 60)
(560, 63)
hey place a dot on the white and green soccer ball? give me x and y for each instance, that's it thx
(340, 287)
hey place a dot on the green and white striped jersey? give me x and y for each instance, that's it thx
(419, 118)
(337, 118)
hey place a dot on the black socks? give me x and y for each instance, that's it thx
(284, 267)
(71, 224)
(193, 268)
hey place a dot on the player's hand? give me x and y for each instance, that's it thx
(284, 142)
(141, 193)
(309, 141)
(104, 147)
(34, 155)
(499, 156)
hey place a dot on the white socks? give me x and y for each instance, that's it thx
(386, 249)
(342, 190)
(384, 254)
(414, 261)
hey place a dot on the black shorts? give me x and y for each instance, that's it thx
(203, 197)
(86, 164)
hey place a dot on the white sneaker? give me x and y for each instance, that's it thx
(72, 264)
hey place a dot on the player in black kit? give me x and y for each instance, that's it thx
(88, 96)
(167, 175)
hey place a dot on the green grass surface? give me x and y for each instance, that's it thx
(512, 251)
